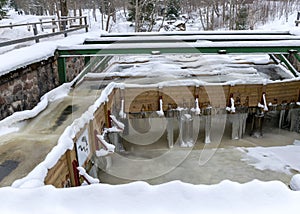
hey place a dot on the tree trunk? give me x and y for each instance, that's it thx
(136, 16)
(94, 13)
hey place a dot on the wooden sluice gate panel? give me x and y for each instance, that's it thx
(147, 99)
(138, 98)
(249, 95)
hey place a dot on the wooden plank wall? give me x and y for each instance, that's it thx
(147, 99)
(62, 175)
(283, 92)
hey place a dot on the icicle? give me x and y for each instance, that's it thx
(208, 125)
(186, 130)
(170, 132)
(122, 114)
(281, 118)
(236, 121)
(160, 112)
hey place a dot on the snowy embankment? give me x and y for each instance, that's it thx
(140, 197)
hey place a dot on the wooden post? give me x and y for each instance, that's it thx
(298, 19)
(86, 24)
(53, 24)
(70, 166)
(41, 23)
(35, 32)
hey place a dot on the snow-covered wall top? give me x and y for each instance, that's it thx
(22, 57)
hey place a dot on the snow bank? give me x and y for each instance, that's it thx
(295, 182)
(139, 197)
(281, 158)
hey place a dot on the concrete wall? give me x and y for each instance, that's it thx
(22, 89)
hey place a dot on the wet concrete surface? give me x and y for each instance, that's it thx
(7, 167)
(203, 164)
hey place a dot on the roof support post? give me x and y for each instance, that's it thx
(62, 70)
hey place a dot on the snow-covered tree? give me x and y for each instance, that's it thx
(143, 14)
(2, 10)
(173, 8)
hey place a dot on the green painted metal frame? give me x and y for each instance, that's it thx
(289, 65)
(62, 70)
(90, 51)
(275, 48)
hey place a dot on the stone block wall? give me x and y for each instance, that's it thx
(22, 89)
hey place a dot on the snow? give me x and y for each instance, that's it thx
(174, 197)
(197, 109)
(108, 147)
(160, 113)
(232, 107)
(37, 52)
(119, 124)
(90, 179)
(295, 182)
(281, 159)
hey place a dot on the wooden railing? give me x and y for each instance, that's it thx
(63, 26)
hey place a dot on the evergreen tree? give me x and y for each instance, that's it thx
(242, 19)
(2, 10)
(173, 8)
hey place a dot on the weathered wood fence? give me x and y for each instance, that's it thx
(64, 26)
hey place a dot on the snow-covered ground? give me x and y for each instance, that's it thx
(139, 197)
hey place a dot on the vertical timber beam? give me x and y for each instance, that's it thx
(62, 70)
